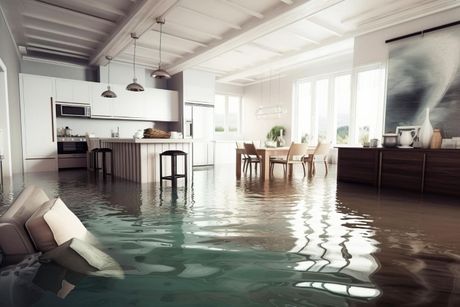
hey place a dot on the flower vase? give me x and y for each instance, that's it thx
(280, 140)
(426, 132)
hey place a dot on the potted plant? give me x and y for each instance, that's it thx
(275, 136)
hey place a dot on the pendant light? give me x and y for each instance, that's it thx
(160, 73)
(108, 93)
(134, 87)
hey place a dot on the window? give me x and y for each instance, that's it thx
(342, 103)
(369, 115)
(227, 115)
(325, 110)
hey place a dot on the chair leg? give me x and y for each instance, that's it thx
(303, 166)
(326, 167)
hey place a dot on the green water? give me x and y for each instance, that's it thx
(223, 242)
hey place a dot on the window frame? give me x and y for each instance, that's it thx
(227, 134)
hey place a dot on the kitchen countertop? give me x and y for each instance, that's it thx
(144, 141)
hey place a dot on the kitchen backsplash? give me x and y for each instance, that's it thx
(103, 128)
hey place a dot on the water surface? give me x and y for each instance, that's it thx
(287, 242)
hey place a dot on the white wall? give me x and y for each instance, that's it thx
(281, 91)
(371, 48)
(9, 56)
(58, 70)
(103, 127)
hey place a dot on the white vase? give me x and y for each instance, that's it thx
(426, 132)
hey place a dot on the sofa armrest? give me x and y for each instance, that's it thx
(15, 243)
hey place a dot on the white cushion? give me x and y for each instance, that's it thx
(82, 257)
(54, 224)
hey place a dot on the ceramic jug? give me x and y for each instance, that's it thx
(406, 137)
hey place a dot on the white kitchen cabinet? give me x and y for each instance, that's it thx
(161, 105)
(38, 123)
(199, 86)
(101, 107)
(73, 91)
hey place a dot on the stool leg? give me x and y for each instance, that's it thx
(111, 164)
(174, 170)
(186, 170)
(95, 161)
(104, 166)
(161, 170)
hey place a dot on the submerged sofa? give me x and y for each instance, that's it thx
(15, 242)
(35, 223)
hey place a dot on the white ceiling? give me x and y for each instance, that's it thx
(238, 40)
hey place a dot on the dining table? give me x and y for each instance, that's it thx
(265, 153)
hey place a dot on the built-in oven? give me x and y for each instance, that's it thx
(72, 110)
(72, 152)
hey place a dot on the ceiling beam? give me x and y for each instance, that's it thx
(288, 2)
(302, 37)
(153, 51)
(192, 29)
(43, 5)
(180, 38)
(54, 20)
(56, 41)
(334, 45)
(103, 7)
(317, 22)
(265, 48)
(275, 20)
(46, 50)
(34, 29)
(166, 50)
(243, 9)
(138, 20)
(215, 19)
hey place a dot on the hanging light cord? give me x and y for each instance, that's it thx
(134, 59)
(108, 70)
(161, 33)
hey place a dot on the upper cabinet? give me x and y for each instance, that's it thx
(73, 91)
(199, 86)
(150, 105)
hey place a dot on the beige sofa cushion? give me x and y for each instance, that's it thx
(54, 224)
(15, 242)
(82, 257)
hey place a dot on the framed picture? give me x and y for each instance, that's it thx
(416, 129)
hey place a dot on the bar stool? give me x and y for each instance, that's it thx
(94, 151)
(174, 175)
(94, 157)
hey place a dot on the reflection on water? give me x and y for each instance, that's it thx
(227, 242)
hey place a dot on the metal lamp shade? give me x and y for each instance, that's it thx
(160, 74)
(109, 93)
(135, 87)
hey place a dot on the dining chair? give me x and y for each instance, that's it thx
(253, 157)
(322, 149)
(295, 155)
(245, 158)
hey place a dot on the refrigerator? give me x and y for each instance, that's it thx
(199, 125)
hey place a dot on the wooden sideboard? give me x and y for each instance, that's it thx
(423, 170)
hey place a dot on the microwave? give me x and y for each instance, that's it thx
(72, 110)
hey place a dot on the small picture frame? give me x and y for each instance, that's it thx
(410, 128)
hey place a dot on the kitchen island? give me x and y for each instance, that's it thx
(138, 159)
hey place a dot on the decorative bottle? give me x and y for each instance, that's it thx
(426, 132)
(281, 142)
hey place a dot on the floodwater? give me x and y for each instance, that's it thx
(228, 242)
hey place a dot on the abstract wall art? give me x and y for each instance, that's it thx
(424, 72)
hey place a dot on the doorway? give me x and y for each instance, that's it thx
(5, 142)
